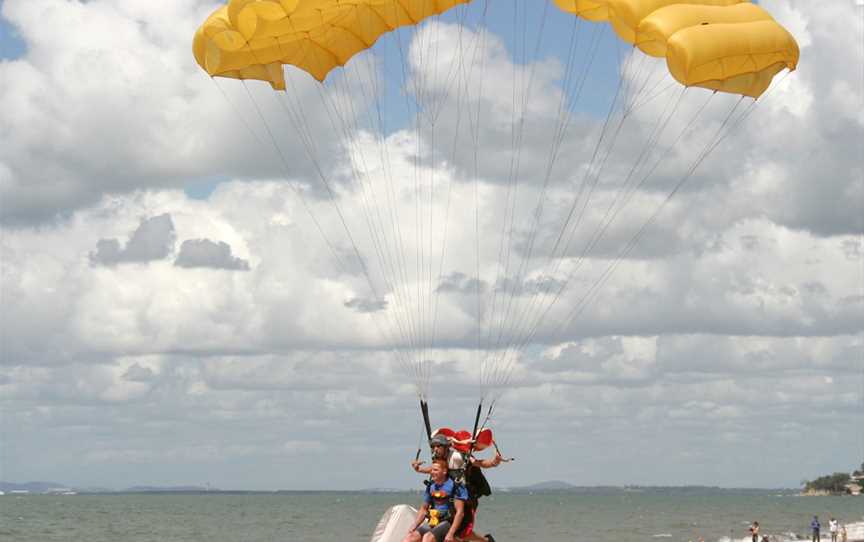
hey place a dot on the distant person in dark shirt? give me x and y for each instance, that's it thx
(816, 527)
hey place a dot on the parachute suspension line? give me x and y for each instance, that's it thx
(662, 123)
(529, 321)
(382, 257)
(398, 262)
(474, 128)
(522, 80)
(512, 179)
(413, 295)
(460, 97)
(563, 120)
(324, 181)
(301, 125)
(343, 268)
(369, 194)
(489, 411)
(598, 233)
(397, 353)
(562, 123)
(434, 111)
(729, 125)
(627, 191)
(515, 169)
(710, 146)
(632, 94)
(407, 95)
(431, 112)
(713, 143)
(378, 235)
(586, 181)
(718, 138)
(507, 222)
(432, 168)
(426, 342)
(416, 93)
(426, 109)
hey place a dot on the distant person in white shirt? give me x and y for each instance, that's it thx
(754, 531)
(834, 528)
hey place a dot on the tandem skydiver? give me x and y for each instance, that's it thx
(464, 469)
(443, 509)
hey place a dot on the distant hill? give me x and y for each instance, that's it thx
(551, 485)
(167, 489)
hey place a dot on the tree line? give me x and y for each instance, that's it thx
(835, 483)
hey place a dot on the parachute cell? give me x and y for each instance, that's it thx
(625, 15)
(313, 35)
(737, 58)
(654, 31)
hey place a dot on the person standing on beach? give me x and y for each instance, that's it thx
(834, 529)
(843, 534)
(754, 531)
(815, 526)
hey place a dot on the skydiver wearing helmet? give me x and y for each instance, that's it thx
(469, 476)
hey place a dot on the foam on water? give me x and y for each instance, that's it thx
(854, 532)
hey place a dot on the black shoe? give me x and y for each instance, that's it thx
(490, 538)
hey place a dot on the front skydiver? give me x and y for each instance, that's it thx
(472, 480)
(443, 508)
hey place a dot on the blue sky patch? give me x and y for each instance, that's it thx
(11, 44)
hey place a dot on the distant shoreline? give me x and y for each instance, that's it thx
(551, 486)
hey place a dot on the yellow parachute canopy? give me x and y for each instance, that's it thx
(726, 45)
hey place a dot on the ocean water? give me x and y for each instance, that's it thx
(335, 516)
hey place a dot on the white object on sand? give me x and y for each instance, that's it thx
(394, 524)
(855, 531)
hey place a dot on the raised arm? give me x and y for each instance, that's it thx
(487, 463)
(418, 467)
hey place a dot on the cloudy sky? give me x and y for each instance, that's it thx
(182, 302)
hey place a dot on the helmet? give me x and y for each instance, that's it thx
(439, 440)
